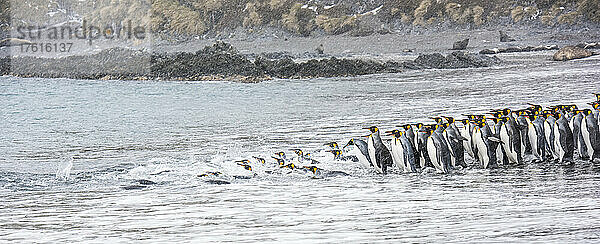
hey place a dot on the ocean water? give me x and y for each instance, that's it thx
(103, 161)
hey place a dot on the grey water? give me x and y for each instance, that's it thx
(74, 155)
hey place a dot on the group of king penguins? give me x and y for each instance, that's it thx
(502, 136)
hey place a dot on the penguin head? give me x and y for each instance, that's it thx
(260, 160)
(497, 113)
(298, 151)
(336, 153)
(312, 169)
(595, 105)
(395, 133)
(406, 126)
(246, 166)
(535, 107)
(289, 166)
(464, 121)
(280, 154)
(449, 119)
(597, 96)
(419, 125)
(350, 142)
(332, 145)
(587, 111)
(280, 161)
(437, 119)
(496, 120)
(372, 129)
(245, 161)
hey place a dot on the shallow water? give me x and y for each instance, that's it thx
(115, 133)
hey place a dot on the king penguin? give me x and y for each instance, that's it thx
(378, 153)
(455, 142)
(511, 138)
(402, 152)
(422, 134)
(563, 139)
(535, 133)
(486, 144)
(438, 152)
(591, 134)
(363, 154)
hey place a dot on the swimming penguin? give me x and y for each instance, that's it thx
(363, 155)
(486, 144)
(422, 134)
(591, 135)
(563, 139)
(402, 152)
(511, 138)
(438, 152)
(332, 145)
(378, 152)
(535, 133)
(455, 142)
(304, 158)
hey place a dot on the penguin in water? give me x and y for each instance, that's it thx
(466, 132)
(402, 152)
(523, 130)
(378, 152)
(511, 138)
(363, 155)
(549, 133)
(332, 145)
(440, 129)
(535, 133)
(590, 133)
(438, 152)
(422, 134)
(412, 137)
(304, 158)
(563, 139)
(486, 144)
(455, 142)
(575, 124)
(500, 154)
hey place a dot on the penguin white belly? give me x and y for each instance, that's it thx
(464, 132)
(506, 145)
(482, 151)
(560, 152)
(372, 156)
(397, 154)
(532, 134)
(547, 131)
(362, 159)
(585, 133)
(433, 155)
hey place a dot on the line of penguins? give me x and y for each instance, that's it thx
(502, 136)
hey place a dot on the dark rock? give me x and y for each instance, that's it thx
(570, 53)
(5, 66)
(505, 37)
(218, 182)
(456, 60)
(134, 187)
(460, 45)
(512, 50)
(490, 51)
(146, 182)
